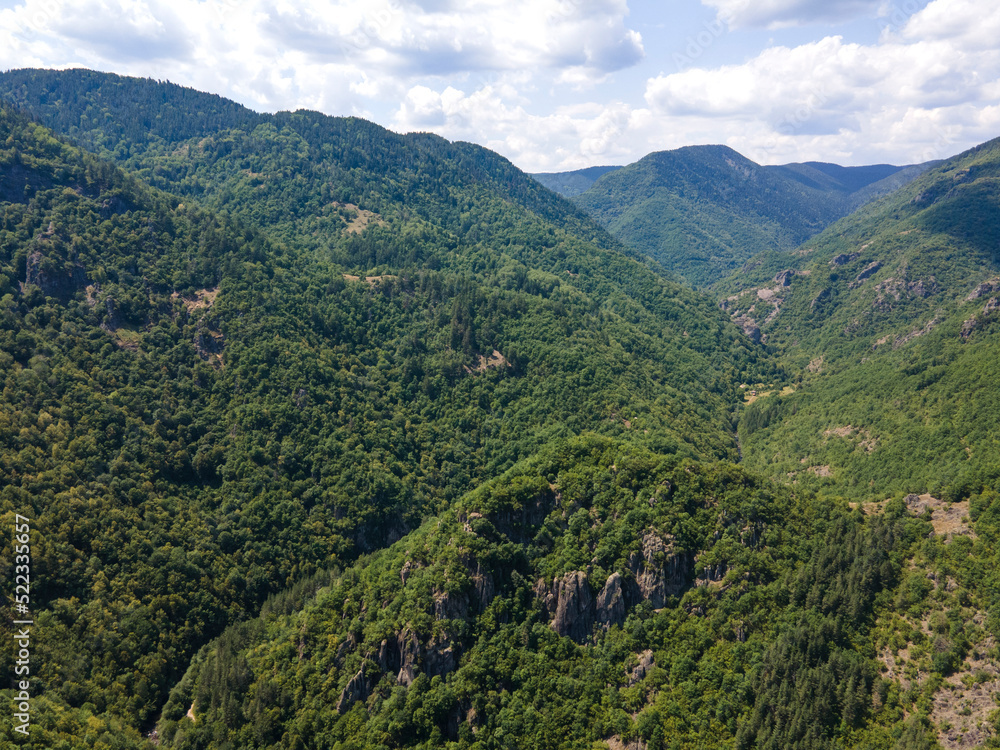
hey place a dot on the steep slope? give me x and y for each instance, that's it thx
(890, 315)
(704, 210)
(303, 175)
(373, 340)
(196, 415)
(598, 595)
(570, 184)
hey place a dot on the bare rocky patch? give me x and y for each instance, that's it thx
(864, 438)
(496, 359)
(358, 219)
(370, 280)
(202, 299)
(948, 519)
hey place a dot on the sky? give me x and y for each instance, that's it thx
(556, 85)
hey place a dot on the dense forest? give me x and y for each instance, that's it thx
(889, 321)
(702, 211)
(332, 437)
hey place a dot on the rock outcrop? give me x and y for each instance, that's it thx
(784, 278)
(968, 326)
(611, 602)
(449, 606)
(843, 259)
(437, 657)
(357, 689)
(409, 657)
(569, 604)
(987, 287)
(868, 271)
(660, 571)
(574, 615)
(644, 667)
(485, 586)
(750, 327)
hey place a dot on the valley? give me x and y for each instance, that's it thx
(333, 437)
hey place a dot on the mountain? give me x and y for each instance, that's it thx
(335, 437)
(704, 210)
(889, 315)
(210, 396)
(834, 178)
(597, 595)
(571, 184)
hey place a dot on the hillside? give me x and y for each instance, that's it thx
(890, 317)
(333, 437)
(198, 414)
(702, 211)
(570, 184)
(600, 595)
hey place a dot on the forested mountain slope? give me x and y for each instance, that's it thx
(600, 595)
(442, 463)
(197, 413)
(570, 184)
(890, 317)
(301, 174)
(704, 210)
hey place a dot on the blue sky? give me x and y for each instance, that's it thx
(563, 84)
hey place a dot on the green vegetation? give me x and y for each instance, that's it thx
(702, 211)
(444, 639)
(889, 318)
(333, 437)
(571, 184)
(198, 414)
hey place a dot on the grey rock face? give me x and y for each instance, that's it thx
(843, 259)
(356, 690)
(644, 667)
(869, 270)
(569, 604)
(660, 572)
(611, 602)
(574, 609)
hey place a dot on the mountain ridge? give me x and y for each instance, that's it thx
(701, 211)
(333, 437)
(207, 403)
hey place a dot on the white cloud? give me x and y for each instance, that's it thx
(343, 56)
(501, 73)
(924, 91)
(774, 14)
(970, 24)
(568, 138)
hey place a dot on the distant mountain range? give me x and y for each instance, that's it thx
(571, 184)
(702, 211)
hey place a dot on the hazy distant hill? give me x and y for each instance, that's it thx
(569, 184)
(703, 210)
